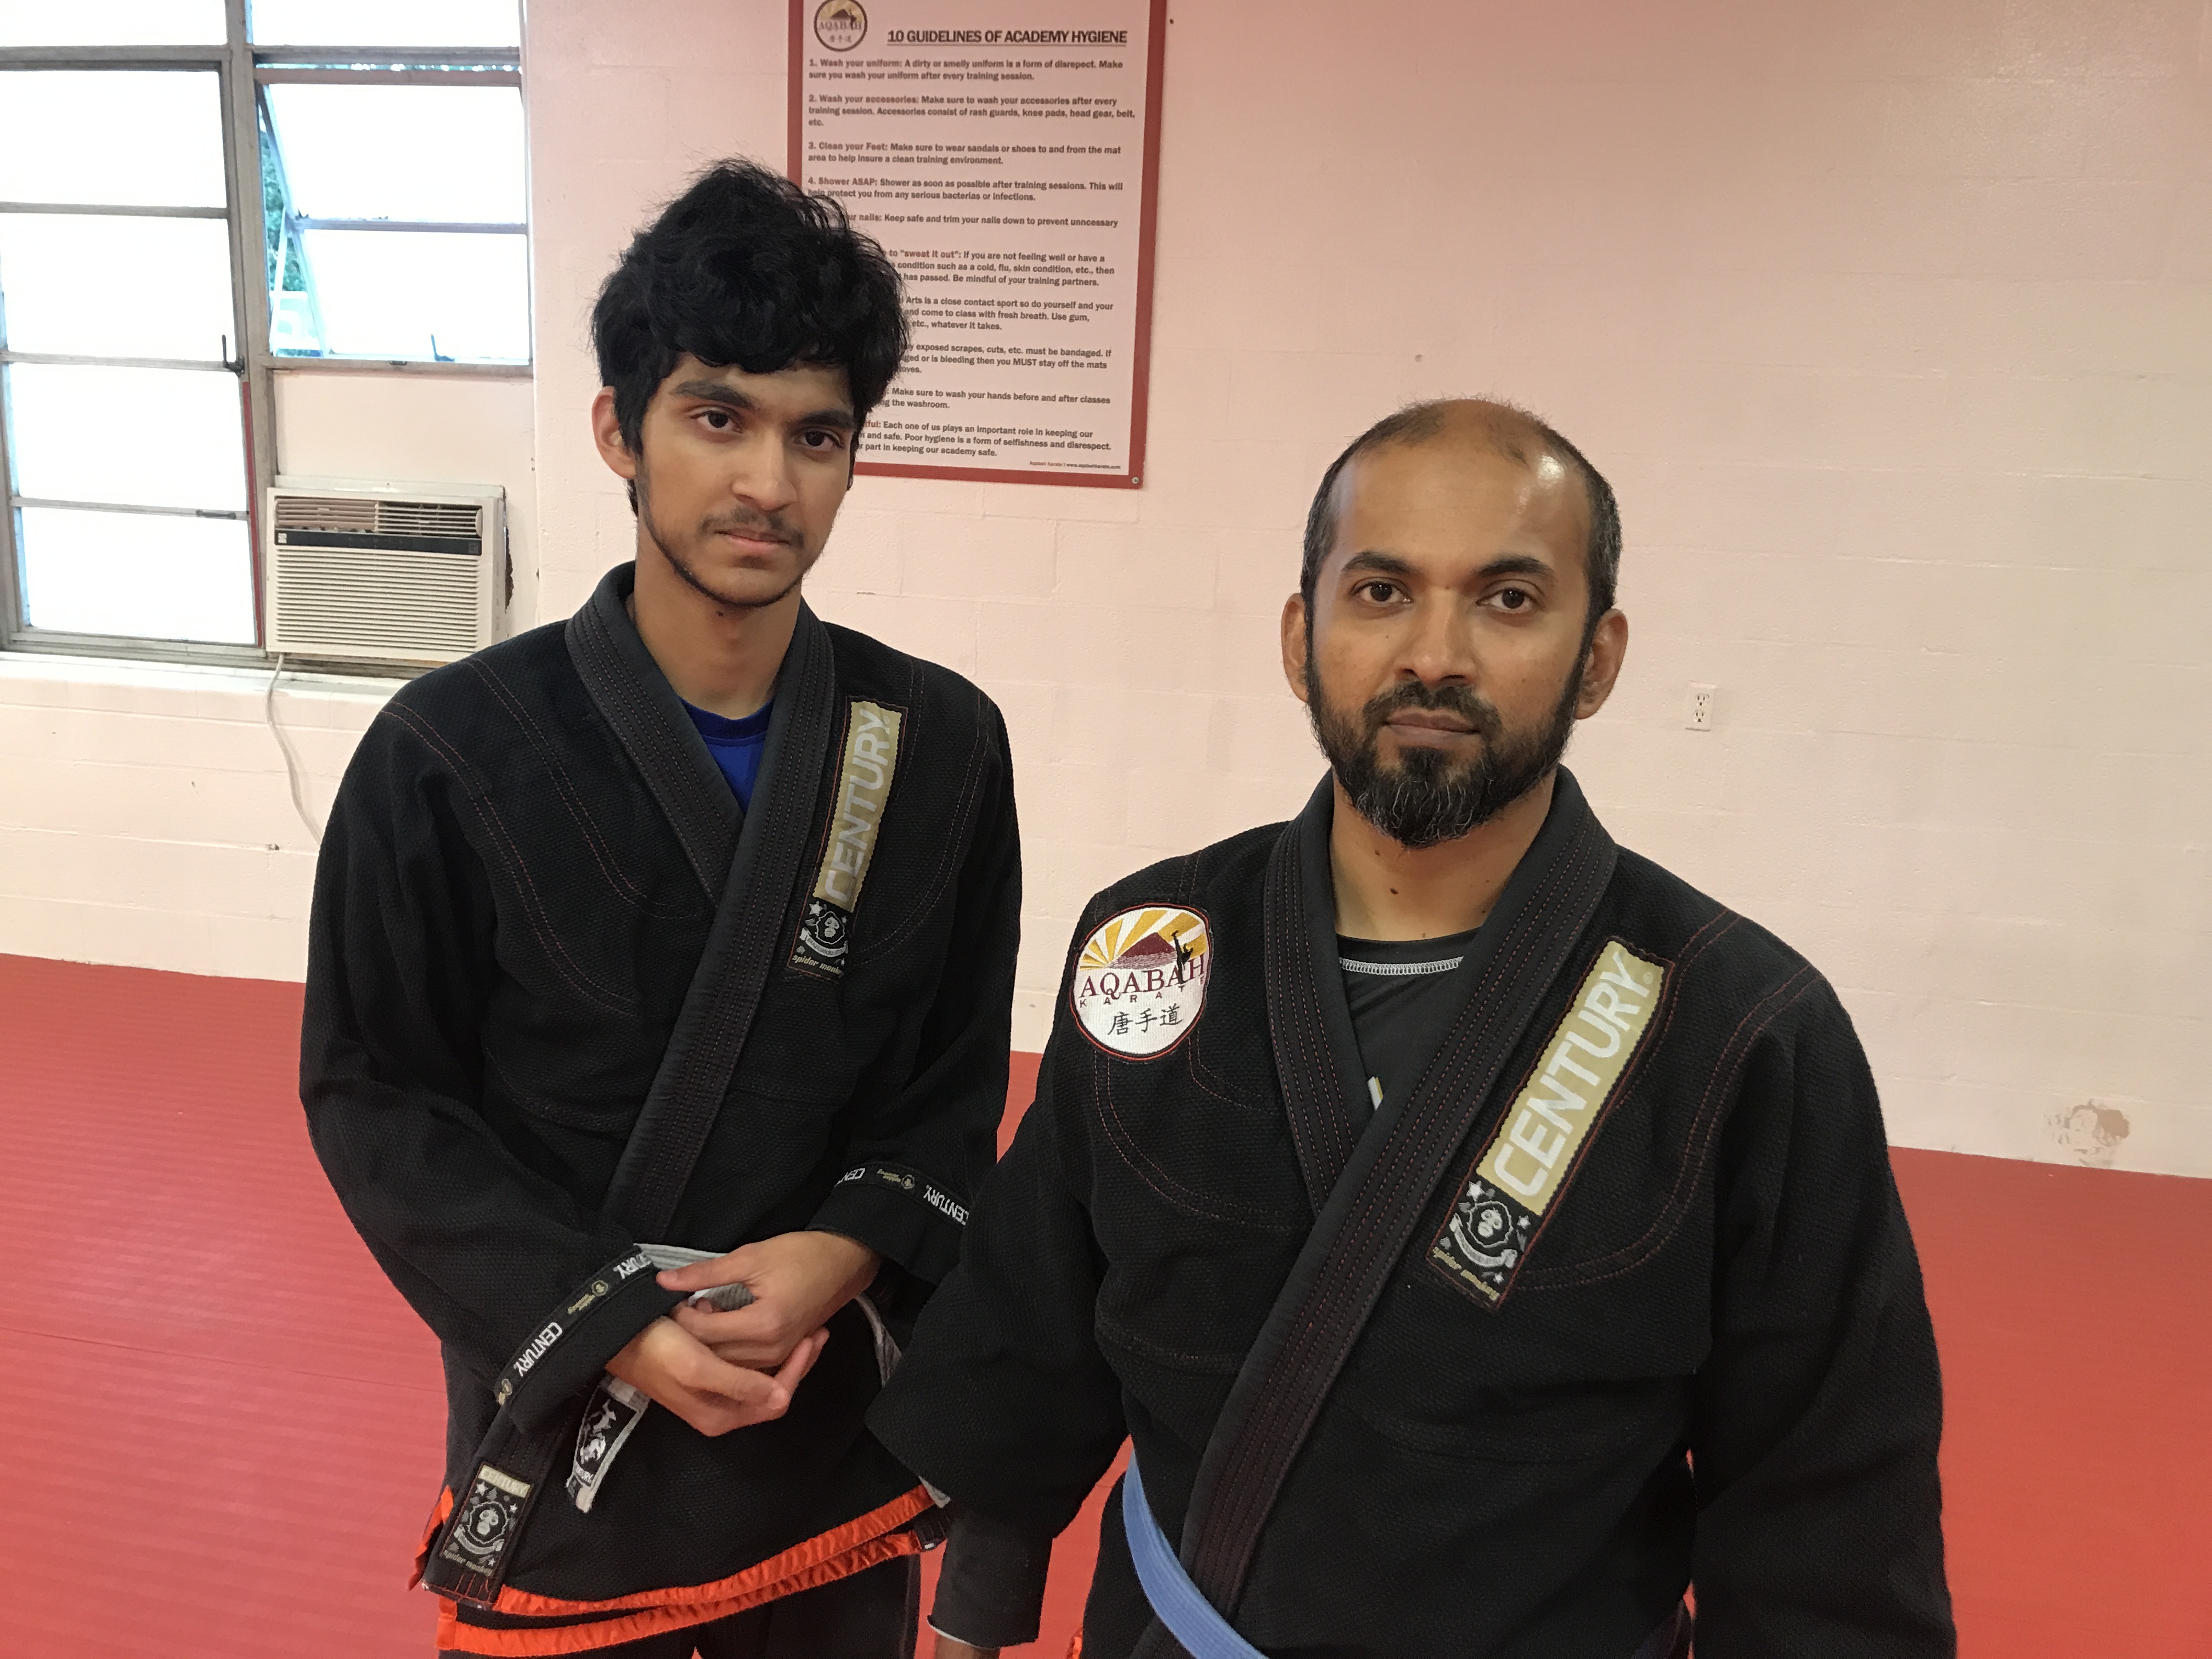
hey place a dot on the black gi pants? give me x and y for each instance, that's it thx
(871, 1616)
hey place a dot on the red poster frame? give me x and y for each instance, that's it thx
(1147, 222)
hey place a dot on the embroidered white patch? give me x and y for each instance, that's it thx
(1140, 980)
(1541, 1136)
(856, 816)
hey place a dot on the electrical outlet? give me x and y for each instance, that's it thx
(1698, 713)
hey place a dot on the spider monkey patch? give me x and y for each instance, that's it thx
(1545, 1133)
(489, 1518)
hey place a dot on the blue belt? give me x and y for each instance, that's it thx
(1179, 1604)
(1198, 1625)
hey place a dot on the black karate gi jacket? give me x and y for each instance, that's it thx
(520, 874)
(1380, 1408)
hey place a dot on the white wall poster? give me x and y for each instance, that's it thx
(1005, 153)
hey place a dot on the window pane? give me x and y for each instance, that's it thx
(73, 284)
(448, 153)
(138, 575)
(392, 293)
(111, 137)
(387, 22)
(149, 437)
(111, 23)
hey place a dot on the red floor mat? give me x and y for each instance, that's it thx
(227, 1425)
(224, 1425)
(2073, 1309)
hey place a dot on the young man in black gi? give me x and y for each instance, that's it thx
(684, 928)
(1483, 1238)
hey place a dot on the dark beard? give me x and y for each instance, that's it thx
(752, 523)
(1428, 797)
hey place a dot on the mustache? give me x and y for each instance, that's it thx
(1481, 717)
(766, 525)
(1427, 799)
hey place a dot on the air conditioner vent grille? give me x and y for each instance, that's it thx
(364, 516)
(343, 601)
(383, 571)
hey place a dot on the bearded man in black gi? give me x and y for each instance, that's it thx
(657, 1007)
(1484, 1239)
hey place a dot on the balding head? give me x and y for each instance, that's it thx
(1483, 426)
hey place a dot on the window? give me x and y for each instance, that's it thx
(379, 245)
(193, 195)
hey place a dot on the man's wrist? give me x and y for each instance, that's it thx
(875, 1257)
(950, 1646)
(990, 1585)
(900, 1213)
(574, 1339)
(866, 1260)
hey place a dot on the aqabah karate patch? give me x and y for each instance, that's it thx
(1139, 980)
(1549, 1126)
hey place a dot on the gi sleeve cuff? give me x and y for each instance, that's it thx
(990, 1592)
(577, 1338)
(900, 1213)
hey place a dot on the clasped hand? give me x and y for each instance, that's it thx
(720, 1371)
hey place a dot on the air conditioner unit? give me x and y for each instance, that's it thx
(388, 573)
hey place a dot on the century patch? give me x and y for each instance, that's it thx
(1501, 1205)
(534, 1349)
(856, 817)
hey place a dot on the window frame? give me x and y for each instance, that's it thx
(313, 66)
(241, 68)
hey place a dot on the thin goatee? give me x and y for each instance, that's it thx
(690, 577)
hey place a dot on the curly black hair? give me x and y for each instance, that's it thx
(746, 268)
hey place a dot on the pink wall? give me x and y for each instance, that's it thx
(1890, 322)
(145, 815)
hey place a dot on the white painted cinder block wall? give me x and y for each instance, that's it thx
(1890, 322)
(145, 815)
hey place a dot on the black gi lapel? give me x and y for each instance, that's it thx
(1316, 1051)
(636, 700)
(694, 1073)
(1393, 1169)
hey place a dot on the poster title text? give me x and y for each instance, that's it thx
(1008, 37)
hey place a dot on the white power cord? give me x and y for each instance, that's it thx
(292, 773)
